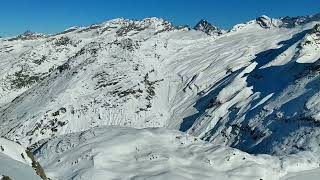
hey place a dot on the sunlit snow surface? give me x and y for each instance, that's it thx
(254, 88)
(14, 162)
(126, 153)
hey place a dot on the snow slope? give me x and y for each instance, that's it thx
(254, 88)
(157, 153)
(310, 175)
(15, 162)
(271, 105)
(139, 74)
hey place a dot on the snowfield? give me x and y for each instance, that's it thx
(144, 99)
(15, 163)
(157, 153)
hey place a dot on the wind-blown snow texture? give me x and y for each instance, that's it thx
(254, 87)
(124, 153)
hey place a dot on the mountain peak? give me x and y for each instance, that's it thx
(203, 21)
(316, 28)
(28, 35)
(265, 22)
(206, 27)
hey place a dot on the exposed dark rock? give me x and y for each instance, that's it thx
(265, 22)
(206, 27)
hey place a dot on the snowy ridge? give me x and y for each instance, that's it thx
(14, 151)
(206, 27)
(290, 22)
(15, 163)
(252, 99)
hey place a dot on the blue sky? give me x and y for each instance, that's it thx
(50, 16)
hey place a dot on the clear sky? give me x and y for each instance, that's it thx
(50, 16)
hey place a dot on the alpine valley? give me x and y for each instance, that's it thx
(147, 100)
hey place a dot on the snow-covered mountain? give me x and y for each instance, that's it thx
(206, 27)
(254, 88)
(271, 105)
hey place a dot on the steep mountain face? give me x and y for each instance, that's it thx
(148, 74)
(290, 22)
(270, 106)
(204, 26)
(266, 22)
(286, 22)
(85, 82)
(255, 88)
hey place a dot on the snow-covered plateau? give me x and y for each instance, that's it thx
(144, 99)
